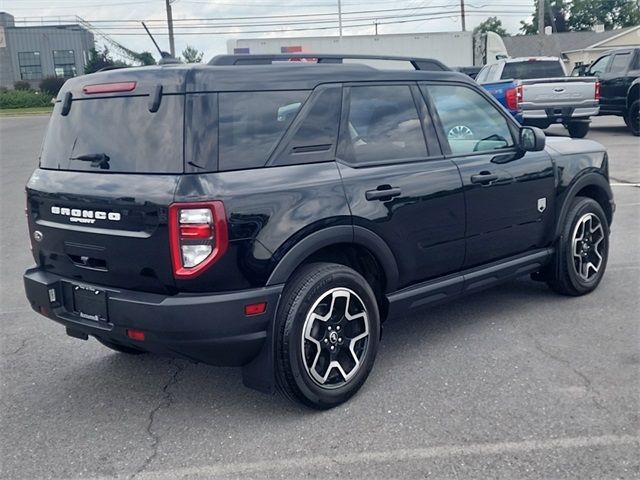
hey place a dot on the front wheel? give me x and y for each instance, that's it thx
(583, 249)
(578, 129)
(328, 329)
(632, 118)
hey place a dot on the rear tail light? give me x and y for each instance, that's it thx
(135, 334)
(514, 97)
(108, 88)
(198, 236)
(597, 92)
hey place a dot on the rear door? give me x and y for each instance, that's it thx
(397, 184)
(109, 167)
(509, 194)
(618, 79)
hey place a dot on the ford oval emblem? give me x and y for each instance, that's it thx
(38, 236)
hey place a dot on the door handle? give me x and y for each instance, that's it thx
(383, 192)
(484, 178)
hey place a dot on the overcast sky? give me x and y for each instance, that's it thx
(509, 11)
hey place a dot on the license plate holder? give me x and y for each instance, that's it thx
(90, 303)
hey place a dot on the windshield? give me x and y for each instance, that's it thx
(533, 69)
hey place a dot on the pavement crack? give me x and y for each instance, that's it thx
(587, 382)
(21, 347)
(166, 402)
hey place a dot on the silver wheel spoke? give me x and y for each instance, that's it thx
(334, 337)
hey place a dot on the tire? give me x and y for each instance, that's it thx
(578, 129)
(632, 118)
(120, 348)
(583, 249)
(309, 341)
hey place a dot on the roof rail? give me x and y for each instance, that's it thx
(267, 59)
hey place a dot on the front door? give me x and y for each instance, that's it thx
(398, 185)
(509, 193)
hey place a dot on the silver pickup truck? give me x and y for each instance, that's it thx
(538, 92)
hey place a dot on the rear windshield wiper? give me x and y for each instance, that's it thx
(100, 160)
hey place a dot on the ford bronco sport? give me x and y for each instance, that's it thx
(272, 216)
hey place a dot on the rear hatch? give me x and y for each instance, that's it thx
(109, 166)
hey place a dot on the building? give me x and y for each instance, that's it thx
(32, 53)
(575, 48)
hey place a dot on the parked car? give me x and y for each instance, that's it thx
(273, 216)
(619, 74)
(538, 92)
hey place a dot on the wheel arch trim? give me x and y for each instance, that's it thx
(591, 179)
(332, 236)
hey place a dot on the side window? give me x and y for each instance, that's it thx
(470, 122)
(383, 124)
(600, 65)
(620, 61)
(252, 123)
(314, 137)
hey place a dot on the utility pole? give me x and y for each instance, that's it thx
(172, 46)
(340, 18)
(462, 16)
(541, 5)
(375, 23)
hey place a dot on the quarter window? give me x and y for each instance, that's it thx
(470, 122)
(64, 63)
(383, 125)
(252, 123)
(30, 65)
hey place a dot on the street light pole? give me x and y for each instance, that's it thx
(340, 18)
(172, 46)
(462, 16)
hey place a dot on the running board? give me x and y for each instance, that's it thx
(468, 281)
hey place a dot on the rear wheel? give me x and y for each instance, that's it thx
(120, 348)
(583, 249)
(578, 129)
(632, 118)
(328, 329)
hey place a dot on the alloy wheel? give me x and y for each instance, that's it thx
(587, 246)
(335, 337)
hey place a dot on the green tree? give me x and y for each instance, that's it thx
(584, 14)
(100, 58)
(491, 24)
(555, 15)
(145, 58)
(192, 55)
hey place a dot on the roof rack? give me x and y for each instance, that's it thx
(267, 59)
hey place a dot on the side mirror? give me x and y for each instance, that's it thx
(532, 139)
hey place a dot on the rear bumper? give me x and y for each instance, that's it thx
(559, 113)
(210, 328)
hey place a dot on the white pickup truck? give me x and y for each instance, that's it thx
(538, 92)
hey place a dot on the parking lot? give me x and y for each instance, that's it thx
(515, 382)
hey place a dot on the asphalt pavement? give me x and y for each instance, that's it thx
(514, 382)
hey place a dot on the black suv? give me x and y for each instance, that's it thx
(272, 216)
(619, 74)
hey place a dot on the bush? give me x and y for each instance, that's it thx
(51, 85)
(22, 85)
(23, 99)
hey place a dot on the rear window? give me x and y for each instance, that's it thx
(252, 123)
(117, 134)
(533, 69)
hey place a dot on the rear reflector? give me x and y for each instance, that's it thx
(597, 92)
(109, 87)
(135, 335)
(255, 308)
